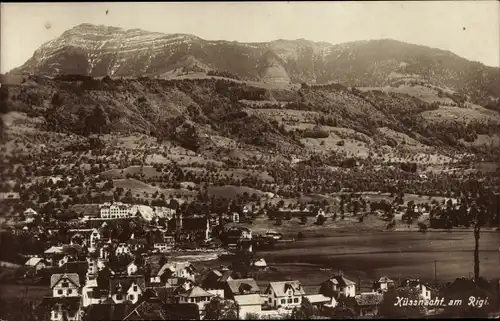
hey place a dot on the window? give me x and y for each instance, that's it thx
(131, 297)
(192, 300)
(289, 301)
(282, 301)
(270, 300)
(70, 291)
(296, 300)
(119, 297)
(65, 284)
(135, 288)
(59, 291)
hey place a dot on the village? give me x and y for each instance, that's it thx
(115, 265)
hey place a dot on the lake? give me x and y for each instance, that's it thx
(396, 254)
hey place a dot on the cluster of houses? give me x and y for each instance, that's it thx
(85, 284)
(96, 277)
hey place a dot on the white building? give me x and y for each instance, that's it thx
(196, 295)
(94, 237)
(123, 248)
(127, 289)
(132, 268)
(284, 294)
(339, 284)
(30, 215)
(114, 210)
(89, 293)
(424, 292)
(65, 285)
(248, 304)
(36, 263)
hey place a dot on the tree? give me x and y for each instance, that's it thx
(163, 261)
(320, 220)
(305, 311)
(220, 309)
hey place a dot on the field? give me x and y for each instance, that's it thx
(10, 291)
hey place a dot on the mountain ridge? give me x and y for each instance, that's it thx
(101, 50)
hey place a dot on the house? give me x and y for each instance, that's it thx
(217, 278)
(274, 235)
(36, 263)
(65, 285)
(92, 267)
(54, 254)
(132, 268)
(423, 290)
(240, 287)
(175, 270)
(196, 295)
(364, 304)
(180, 284)
(94, 238)
(259, 263)
(319, 301)
(91, 293)
(166, 246)
(59, 309)
(285, 294)
(123, 248)
(77, 267)
(383, 284)
(338, 284)
(248, 304)
(114, 210)
(126, 288)
(30, 215)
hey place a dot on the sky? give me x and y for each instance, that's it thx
(470, 29)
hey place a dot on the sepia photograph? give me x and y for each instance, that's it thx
(249, 160)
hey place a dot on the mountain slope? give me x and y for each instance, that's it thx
(99, 51)
(196, 113)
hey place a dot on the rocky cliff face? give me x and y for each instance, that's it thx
(99, 50)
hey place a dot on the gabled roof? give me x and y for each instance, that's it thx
(123, 283)
(71, 277)
(54, 250)
(318, 298)
(196, 292)
(341, 281)
(248, 299)
(216, 272)
(33, 261)
(226, 275)
(280, 288)
(174, 266)
(385, 279)
(178, 281)
(241, 286)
